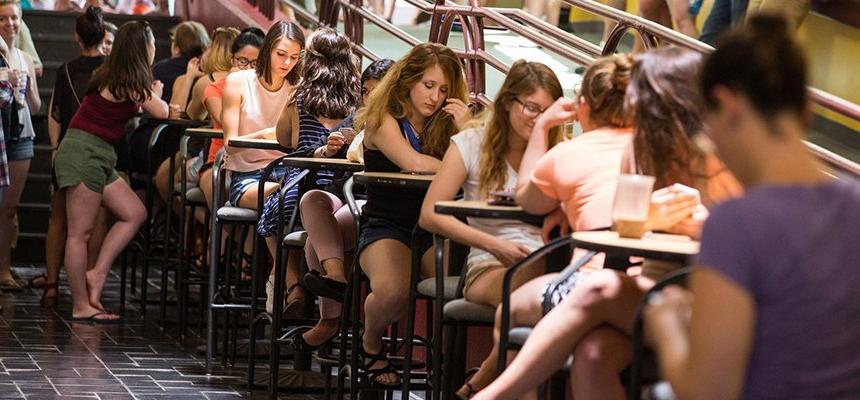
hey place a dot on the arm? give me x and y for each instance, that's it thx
(33, 98)
(53, 129)
(717, 342)
(284, 128)
(450, 177)
(214, 104)
(390, 141)
(195, 109)
(155, 106)
(231, 101)
(561, 110)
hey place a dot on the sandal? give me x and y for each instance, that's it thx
(372, 375)
(293, 309)
(32, 282)
(10, 285)
(49, 301)
(322, 286)
(98, 321)
(470, 390)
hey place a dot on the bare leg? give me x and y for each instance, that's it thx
(526, 310)
(81, 217)
(97, 237)
(609, 24)
(487, 288)
(535, 7)
(597, 360)
(8, 208)
(655, 10)
(130, 215)
(604, 297)
(55, 241)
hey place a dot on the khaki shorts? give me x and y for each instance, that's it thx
(83, 157)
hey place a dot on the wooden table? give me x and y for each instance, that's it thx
(261, 144)
(188, 123)
(395, 179)
(482, 209)
(665, 247)
(331, 164)
(205, 132)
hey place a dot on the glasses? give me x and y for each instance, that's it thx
(243, 62)
(530, 110)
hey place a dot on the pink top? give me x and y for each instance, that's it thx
(582, 174)
(260, 109)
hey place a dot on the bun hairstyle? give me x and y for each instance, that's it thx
(248, 37)
(330, 85)
(604, 86)
(90, 27)
(762, 61)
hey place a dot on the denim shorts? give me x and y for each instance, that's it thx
(375, 229)
(20, 149)
(240, 182)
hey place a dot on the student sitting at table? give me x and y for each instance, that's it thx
(574, 183)
(244, 52)
(772, 310)
(483, 160)
(331, 233)
(409, 120)
(592, 312)
(329, 91)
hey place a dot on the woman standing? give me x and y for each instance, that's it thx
(69, 90)
(85, 164)
(18, 131)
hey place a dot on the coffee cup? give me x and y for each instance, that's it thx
(631, 206)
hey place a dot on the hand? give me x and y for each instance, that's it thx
(507, 252)
(458, 110)
(193, 67)
(175, 111)
(556, 218)
(157, 88)
(691, 226)
(17, 78)
(667, 311)
(333, 144)
(561, 111)
(664, 215)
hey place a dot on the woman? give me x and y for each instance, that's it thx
(18, 132)
(408, 122)
(329, 92)
(486, 159)
(592, 317)
(70, 87)
(772, 308)
(331, 233)
(244, 50)
(110, 36)
(85, 164)
(574, 183)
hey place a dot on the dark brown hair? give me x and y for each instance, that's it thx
(762, 61)
(127, 73)
(280, 30)
(90, 27)
(663, 100)
(604, 87)
(191, 38)
(330, 85)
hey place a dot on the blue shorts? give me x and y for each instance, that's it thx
(242, 181)
(375, 229)
(20, 149)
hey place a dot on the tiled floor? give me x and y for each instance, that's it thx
(44, 356)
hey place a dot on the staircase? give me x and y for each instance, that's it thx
(53, 34)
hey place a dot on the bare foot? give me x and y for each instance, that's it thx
(95, 284)
(93, 313)
(376, 367)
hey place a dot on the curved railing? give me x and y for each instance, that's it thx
(471, 18)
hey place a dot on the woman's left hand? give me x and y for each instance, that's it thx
(333, 144)
(667, 311)
(459, 111)
(556, 218)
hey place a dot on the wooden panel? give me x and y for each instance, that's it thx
(844, 11)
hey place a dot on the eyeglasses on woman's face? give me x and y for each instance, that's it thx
(530, 110)
(243, 62)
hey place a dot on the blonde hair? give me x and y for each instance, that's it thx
(524, 78)
(392, 95)
(604, 86)
(218, 55)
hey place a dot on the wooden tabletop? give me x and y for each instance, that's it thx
(482, 209)
(261, 144)
(394, 179)
(333, 164)
(178, 122)
(205, 132)
(653, 245)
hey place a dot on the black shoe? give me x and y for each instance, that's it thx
(321, 286)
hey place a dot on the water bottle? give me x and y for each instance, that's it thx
(21, 87)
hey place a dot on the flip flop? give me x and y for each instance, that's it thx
(98, 321)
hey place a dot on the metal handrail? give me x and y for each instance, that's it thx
(542, 33)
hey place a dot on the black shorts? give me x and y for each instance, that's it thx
(374, 229)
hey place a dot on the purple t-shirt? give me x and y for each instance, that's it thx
(795, 249)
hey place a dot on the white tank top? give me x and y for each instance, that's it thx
(260, 109)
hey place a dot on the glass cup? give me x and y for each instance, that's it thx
(632, 203)
(568, 130)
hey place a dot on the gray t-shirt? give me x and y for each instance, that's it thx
(795, 250)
